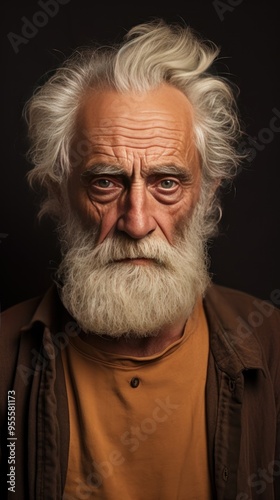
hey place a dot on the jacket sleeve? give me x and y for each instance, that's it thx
(11, 322)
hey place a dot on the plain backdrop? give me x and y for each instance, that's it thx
(245, 255)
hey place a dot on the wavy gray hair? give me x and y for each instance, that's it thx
(150, 54)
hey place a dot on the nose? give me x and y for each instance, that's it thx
(136, 219)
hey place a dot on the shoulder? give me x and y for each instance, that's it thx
(21, 330)
(230, 304)
(13, 322)
(18, 315)
(21, 318)
(250, 324)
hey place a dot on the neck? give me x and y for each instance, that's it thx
(146, 346)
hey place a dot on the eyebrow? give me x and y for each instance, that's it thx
(102, 169)
(182, 173)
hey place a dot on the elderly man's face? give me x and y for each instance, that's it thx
(132, 227)
(140, 171)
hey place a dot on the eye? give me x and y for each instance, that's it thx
(104, 190)
(166, 190)
(103, 183)
(168, 184)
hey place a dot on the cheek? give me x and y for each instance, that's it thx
(91, 214)
(168, 222)
(81, 205)
(108, 217)
(172, 219)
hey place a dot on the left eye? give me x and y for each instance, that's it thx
(104, 183)
(167, 184)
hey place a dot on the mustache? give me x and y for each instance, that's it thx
(118, 247)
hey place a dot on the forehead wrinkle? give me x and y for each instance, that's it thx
(122, 155)
(140, 124)
(97, 147)
(142, 142)
(125, 113)
(128, 133)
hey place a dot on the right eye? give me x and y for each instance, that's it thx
(104, 190)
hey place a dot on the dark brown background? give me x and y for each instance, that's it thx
(246, 254)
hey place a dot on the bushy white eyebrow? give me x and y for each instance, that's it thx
(183, 173)
(103, 169)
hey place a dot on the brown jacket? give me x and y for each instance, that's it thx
(242, 397)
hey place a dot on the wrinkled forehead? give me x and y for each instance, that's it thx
(165, 106)
(160, 117)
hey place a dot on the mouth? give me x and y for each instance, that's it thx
(140, 261)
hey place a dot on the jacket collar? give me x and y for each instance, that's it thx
(234, 345)
(48, 311)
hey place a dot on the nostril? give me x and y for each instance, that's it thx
(136, 226)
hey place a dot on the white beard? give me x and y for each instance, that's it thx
(124, 299)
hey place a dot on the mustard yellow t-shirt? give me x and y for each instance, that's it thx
(137, 424)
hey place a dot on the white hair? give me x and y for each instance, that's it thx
(150, 54)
